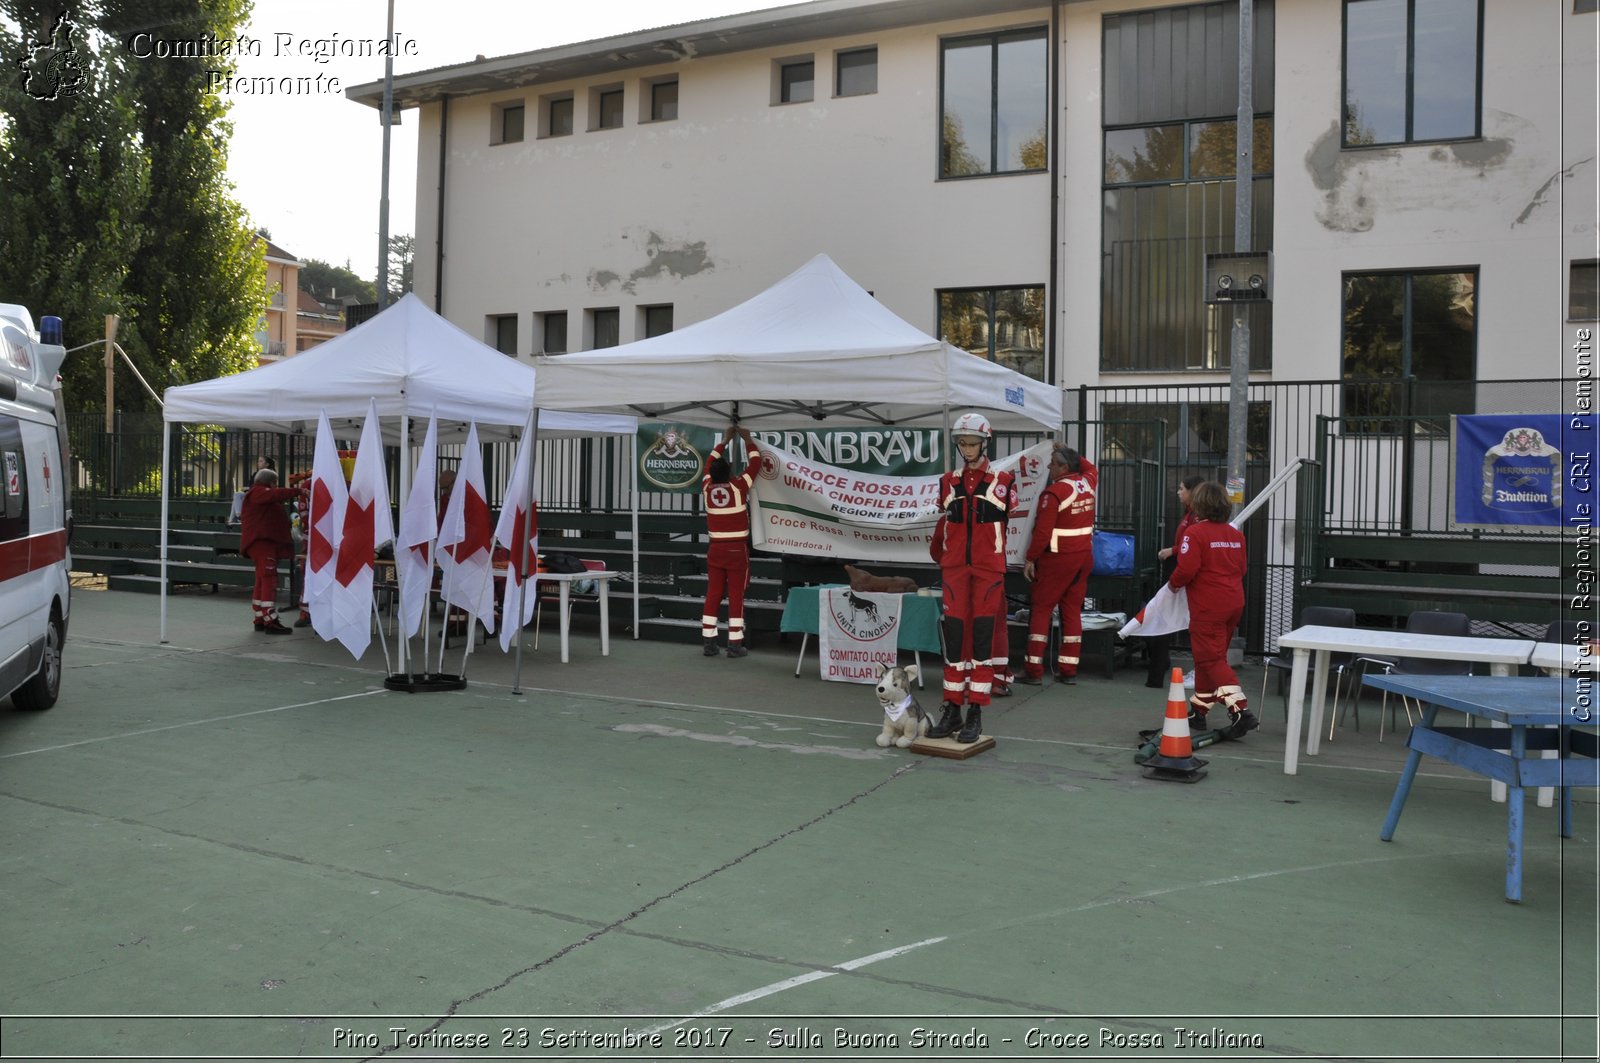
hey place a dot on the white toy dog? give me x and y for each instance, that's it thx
(902, 716)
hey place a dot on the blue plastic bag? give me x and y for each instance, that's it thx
(1113, 554)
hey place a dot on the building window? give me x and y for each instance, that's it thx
(796, 80)
(556, 115)
(1583, 291)
(657, 320)
(663, 96)
(553, 329)
(1412, 70)
(1171, 81)
(503, 333)
(604, 328)
(1409, 346)
(1585, 7)
(994, 103)
(1004, 325)
(607, 107)
(1196, 433)
(507, 128)
(855, 72)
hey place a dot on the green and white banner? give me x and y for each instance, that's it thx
(808, 507)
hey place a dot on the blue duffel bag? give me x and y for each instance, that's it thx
(1113, 554)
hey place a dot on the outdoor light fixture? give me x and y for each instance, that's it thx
(1238, 276)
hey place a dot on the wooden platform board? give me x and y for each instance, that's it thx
(949, 747)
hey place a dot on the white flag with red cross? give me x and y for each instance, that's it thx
(419, 524)
(325, 519)
(519, 523)
(466, 540)
(367, 525)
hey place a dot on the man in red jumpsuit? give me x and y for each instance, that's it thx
(264, 537)
(1060, 557)
(969, 543)
(1212, 563)
(727, 499)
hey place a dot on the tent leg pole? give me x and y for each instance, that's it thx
(166, 472)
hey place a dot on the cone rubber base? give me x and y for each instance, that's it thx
(1175, 769)
(950, 748)
(424, 682)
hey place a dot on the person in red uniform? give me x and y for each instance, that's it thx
(969, 543)
(1212, 563)
(727, 499)
(264, 537)
(1060, 557)
(1159, 647)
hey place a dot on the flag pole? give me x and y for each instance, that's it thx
(532, 443)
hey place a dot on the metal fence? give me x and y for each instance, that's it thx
(1383, 469)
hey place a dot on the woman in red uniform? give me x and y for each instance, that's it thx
(1060, 559)
(1212, 563)
(264, 536)
(1159, 647)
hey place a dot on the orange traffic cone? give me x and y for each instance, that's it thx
(1176, 762)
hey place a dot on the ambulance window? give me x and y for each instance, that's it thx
(13, 482)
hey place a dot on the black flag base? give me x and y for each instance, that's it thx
(424, 682)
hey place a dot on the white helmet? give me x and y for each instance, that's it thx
(971, 424)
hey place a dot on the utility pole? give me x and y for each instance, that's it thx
(1244, 175)
(387, 117)
(111, 379)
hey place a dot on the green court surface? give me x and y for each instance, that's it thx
(239, 846)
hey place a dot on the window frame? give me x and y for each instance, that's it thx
(650, 109)
(839, 67)
(781, 90)
(1383, 423)
(593, 318)
(995, 39)
(599, 97)
(498, 117)
(1410, 84)
(1576, 312)
(546, 320)
(991, 296)
(547, 106)
(496, 329)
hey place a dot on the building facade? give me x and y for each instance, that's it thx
(1040, 184)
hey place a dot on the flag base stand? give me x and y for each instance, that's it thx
(424, 682)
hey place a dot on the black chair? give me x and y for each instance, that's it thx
(1421, 622)
(1339, 663)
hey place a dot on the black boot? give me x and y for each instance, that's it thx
(949, 721)
(711, 649)
(973, 730)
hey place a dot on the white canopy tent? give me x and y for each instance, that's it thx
(413, 362)
(815, 350)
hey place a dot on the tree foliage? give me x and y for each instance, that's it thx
(117, 200)
(328, 282)
(402, 255)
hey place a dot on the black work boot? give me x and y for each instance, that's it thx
(973, 730)
(711, 648)
(949, 721)
(736, 649)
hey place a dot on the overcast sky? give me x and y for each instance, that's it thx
(308, 167)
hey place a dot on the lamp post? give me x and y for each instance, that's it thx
(386, 117)
(1243, 229)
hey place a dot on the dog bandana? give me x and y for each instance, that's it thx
(894, 712)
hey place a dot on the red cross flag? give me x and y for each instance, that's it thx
(419, 523)
(519, 523)
(466, 538)
(367, 526)
(329, 497)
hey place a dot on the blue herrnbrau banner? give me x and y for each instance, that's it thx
(1516, 470)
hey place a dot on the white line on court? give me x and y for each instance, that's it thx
(790, 983)
(190, 723)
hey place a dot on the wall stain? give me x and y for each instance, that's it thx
(680, 259)
(1540, 196)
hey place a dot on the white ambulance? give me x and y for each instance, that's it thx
(34, 510)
